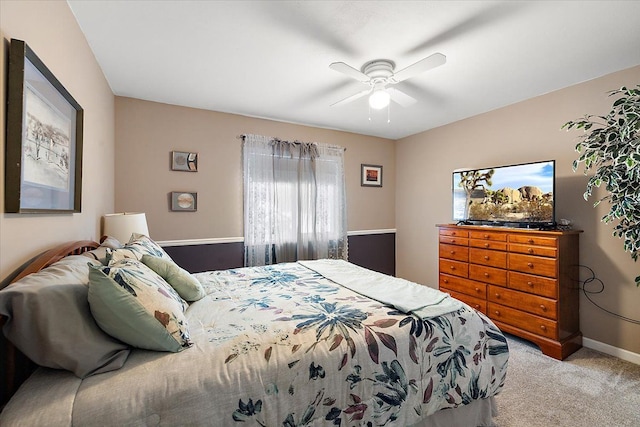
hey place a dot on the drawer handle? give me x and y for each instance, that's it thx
(477, 289)
(486, 236)
(497, 296)
(453, 267)
(486, 257)
(477, 306)
(530, 240)
(453, 233)
(530, 284)
(486, 274)
(497, 313)
(445, 280)
(544, 328)
(452, 252)
(530, 250)
(486, 245)
(453, 241)
(530, 264)
(542, 307)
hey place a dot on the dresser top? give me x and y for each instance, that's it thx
(509, 229)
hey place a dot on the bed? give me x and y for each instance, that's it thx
(278, 345)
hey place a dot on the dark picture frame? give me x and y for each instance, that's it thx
(371, 175)
(184, 201)
(43, 165)
(184, 161)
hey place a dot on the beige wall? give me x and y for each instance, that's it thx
(50, 29)
(414, 198)
(147, 132)
(524, 132)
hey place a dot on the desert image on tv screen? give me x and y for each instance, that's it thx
(518, 193)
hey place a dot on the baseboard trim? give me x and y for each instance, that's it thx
(215, 240)
(620, 353)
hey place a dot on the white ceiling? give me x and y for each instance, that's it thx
(271, 59)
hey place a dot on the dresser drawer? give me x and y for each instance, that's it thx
(459, 253)
(538, 285)
(453, 240)
(464, 286)
(533, 264)
(534, 304)
(533, 240)
(487, 257)
(488, 244)
(476, 303)
(533, 250)
(453, 232)
(488, 235)
(457, 268)
(526, 321)
(485, 274)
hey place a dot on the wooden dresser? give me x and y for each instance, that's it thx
(525, 280)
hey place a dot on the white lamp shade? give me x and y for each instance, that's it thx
(122, 225)
(379, 99)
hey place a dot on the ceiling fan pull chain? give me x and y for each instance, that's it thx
(389, 113)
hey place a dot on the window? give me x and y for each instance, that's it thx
(294, 201)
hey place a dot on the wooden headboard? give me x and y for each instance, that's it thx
(15, 367)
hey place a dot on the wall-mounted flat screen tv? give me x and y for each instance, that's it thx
(521, 195)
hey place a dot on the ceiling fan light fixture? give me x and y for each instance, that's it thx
(379, 99)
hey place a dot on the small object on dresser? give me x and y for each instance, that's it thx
(564, 224)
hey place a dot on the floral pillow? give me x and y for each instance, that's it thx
(103, 252)
(138, 245)
(132, 303)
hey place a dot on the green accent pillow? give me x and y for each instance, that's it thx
(129, 301)
(180, 279)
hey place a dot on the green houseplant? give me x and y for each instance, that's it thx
(611, 146)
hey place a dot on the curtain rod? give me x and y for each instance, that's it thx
(241, 137)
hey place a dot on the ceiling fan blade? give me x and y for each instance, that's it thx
(352, 97)
(343, 68)
(421, 66)
(400, 97)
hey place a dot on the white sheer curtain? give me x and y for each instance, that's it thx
(294, 201)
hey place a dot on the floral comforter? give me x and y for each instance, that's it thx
(297, 349)
(284, 346)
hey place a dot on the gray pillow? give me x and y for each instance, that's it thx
(49, 320)
(187, 286)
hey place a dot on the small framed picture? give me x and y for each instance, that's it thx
(184, 161)
(184, 201)
(371, 176)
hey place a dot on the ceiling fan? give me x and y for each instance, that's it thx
(379, 74)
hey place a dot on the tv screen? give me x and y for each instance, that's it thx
(515, 195)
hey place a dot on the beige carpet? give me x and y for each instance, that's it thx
(589, 389)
